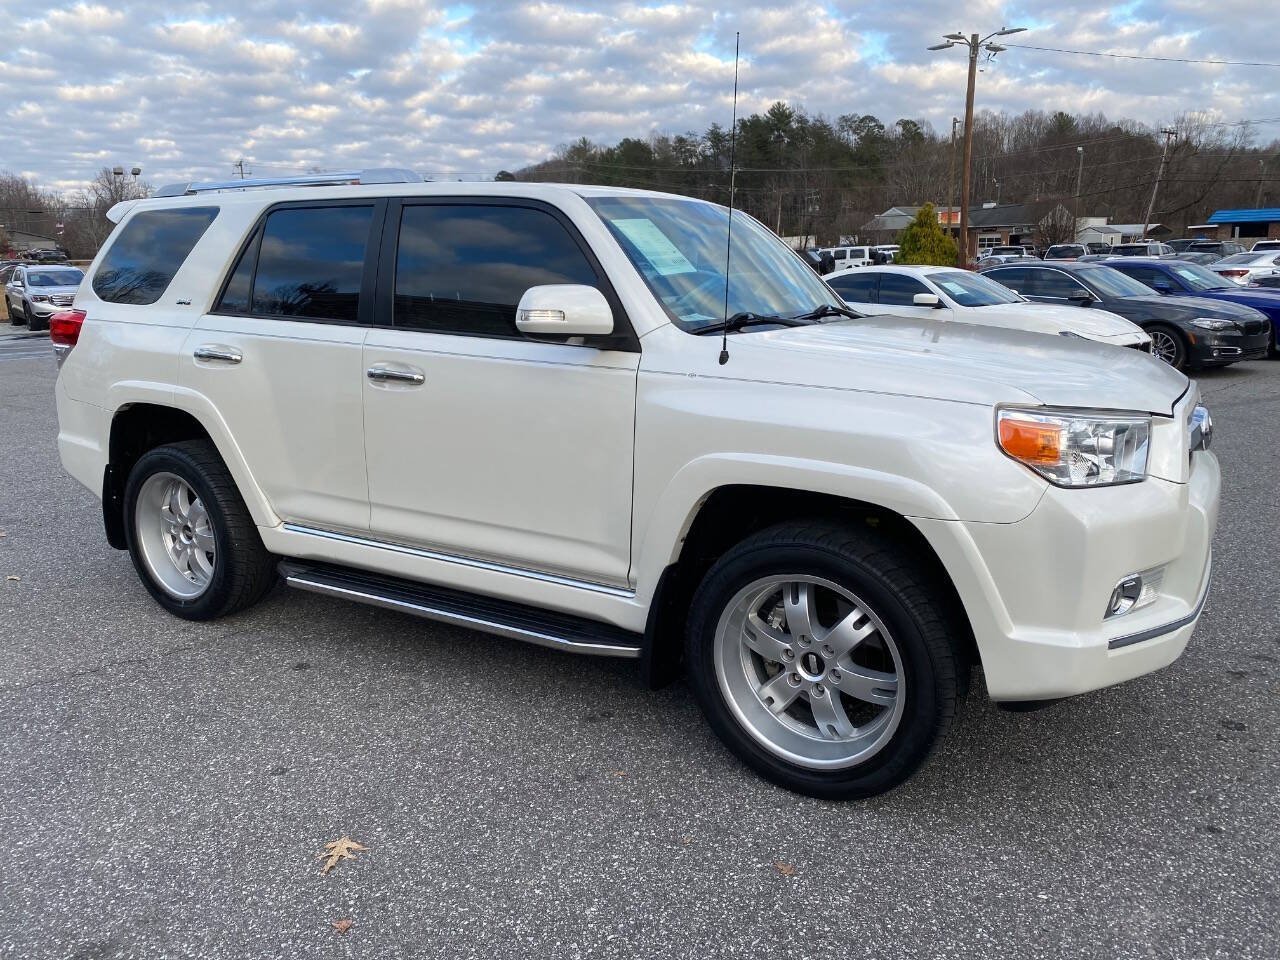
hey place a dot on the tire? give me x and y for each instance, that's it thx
(907, 632)
(202, 584)
(34, 322)
(1175, 348)
(14, 312)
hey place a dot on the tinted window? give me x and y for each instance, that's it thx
(1147, 275)
(1052, 283)
(972, 289)
(841, 255)
(897, 290)
(239, 289)
(311, 263)
(148, 252)
(463, 269)
(1015, 278)
(855, 286)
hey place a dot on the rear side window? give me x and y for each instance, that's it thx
(149, 250)
(856, 286)
(462, 268)
(311, 263)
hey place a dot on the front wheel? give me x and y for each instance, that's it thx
(824, 658)
(34, 322)
(1167, 345)
(190, 535)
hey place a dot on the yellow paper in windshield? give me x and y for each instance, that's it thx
(655, 246)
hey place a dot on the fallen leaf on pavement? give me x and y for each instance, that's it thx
(342, 849)
(786, 869)
(13, 578)
(342, 926)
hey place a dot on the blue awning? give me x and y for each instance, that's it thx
(1262, 215)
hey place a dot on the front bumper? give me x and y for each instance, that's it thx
(1214, 348)
(1036, 590)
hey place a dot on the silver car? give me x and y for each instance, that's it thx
(34, 293)
(1246, 268)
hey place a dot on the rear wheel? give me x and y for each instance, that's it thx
(16, 316)
(823, 658)
(1167, 344)
(190, 535)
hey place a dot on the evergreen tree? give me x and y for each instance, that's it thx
(924, 241)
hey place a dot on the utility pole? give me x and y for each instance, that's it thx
(974, 43)
(239, 165)
(1075, 217)
(1257, 200)
(951, 189)
(1164, 157)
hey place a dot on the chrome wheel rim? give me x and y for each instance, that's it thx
(810, 671)
(175, 536)
(1164, 346)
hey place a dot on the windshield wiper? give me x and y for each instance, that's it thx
(748, 319)
(828, 310)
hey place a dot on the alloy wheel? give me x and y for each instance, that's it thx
(810, 671)
(1164, 346)
(175, 535)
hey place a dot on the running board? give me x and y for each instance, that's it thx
(546, 628)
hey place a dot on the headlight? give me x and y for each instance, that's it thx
(39, 298)
(1200, 429)
(1209, 323)
(1076, 448)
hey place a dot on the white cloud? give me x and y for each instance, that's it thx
(477, 85)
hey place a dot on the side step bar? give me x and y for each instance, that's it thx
(546, 628)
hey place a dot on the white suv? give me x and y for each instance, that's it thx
(506, 406)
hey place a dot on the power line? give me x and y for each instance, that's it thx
(1135, 56)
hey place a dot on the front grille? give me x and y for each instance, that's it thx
(62, 299)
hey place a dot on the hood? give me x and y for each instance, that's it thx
(1190, 307)
(948, 360)
(1054, 318)
(60, 290)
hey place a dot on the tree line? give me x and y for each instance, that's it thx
(813, 176)
(76, 221)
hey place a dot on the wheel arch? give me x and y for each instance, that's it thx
(729, 514)
(137, 427)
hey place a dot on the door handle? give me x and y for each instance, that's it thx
(382, 373)
(209, 351)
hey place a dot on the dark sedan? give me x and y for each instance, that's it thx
(1187, 332)
(1191, 279)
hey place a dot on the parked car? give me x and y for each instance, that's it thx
(1222, 248)
(1097, 246)
(1181, 243)
(520, 407)
(1008, 251)
(945, 293)
(1201, 258)
(1094, 258)
(1142, 249)
(1260, 246)
(49, 256)
(34, 293)
(885, 252)
(1186, 332)
(1191, 279)
(847, 257)
(821, 263)
(1265, 282)
(1243, 268)
(1066, 251)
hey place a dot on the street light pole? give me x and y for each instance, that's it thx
(1075, 224)
(951, 188)
(975, 43)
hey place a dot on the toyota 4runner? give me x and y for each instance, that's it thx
(507, 406)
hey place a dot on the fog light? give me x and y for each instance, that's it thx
(1134, 592)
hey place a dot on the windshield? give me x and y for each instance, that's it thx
(54, 278)
(678, 246)
(972, 289)
(1112, 283)
(1198, 278)
(1244, 258)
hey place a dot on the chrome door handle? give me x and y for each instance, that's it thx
(381, 373)
(214, 352)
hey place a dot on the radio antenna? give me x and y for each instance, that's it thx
(728, 244)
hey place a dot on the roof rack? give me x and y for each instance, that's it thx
(377, 175)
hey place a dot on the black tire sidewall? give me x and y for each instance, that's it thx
(1182, 362)
(920, 726)
(213, 601)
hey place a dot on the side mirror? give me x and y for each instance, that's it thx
(564, 310)
(927, 300)
(1081, 299)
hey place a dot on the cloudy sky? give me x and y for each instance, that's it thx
(466, 89)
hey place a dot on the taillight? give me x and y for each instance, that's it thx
(64, 331)
(1234, 273)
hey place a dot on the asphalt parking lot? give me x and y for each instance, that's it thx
(167, 785)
